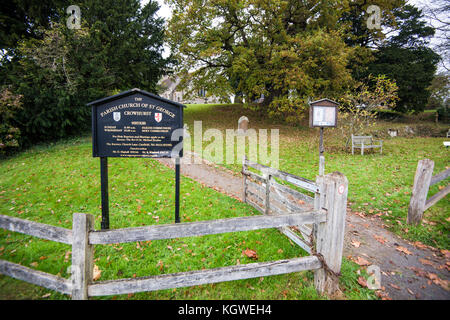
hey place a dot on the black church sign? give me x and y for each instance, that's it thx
(136, 124)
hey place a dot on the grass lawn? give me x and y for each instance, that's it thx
(48, 184)
(378, 183)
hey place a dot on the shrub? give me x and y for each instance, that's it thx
(9, 133)
(443, 114)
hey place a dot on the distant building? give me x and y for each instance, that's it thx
(170, 90)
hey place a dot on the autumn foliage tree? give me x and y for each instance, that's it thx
(285, 50)
(359, 106)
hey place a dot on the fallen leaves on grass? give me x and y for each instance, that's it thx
(361, 261)
(66, 256)
(362, 282)
(420, 245)
(97, 273)
(250, 253)
(382, 295)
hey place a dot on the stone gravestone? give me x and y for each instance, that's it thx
(242, 125)
(393, 132)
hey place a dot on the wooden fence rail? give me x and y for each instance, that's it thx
(325, 238)
(191, 229)
(327, 217)
(423, 180)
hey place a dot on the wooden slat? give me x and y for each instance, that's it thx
(257, 166)
(305, 230)
(288, 204)
(36, 277)
(438, 196)
(254, 176)
(296, 239)
(298, 181)
(255, 195)
(294, 193)
(180, 230)
(440, 176)
(255, 205)
(193, 278)
(36, 229)
(257, 187)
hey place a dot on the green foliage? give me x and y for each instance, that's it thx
(444, 114)
(359, 107)
(406, 59)
(9, 134)
(440, 92)
(285, 50)
(22, 19)
(117, 48)
(412, 69)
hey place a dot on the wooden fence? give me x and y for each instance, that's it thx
(326, 216)
(423, 180)
(323, 239)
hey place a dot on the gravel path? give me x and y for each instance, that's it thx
(408, 270)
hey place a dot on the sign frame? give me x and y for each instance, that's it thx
(96, 143)
(116, 117)
(323, 103)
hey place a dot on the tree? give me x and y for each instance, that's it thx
(440, 92)
(359, 107)
(118, 47)
(285, 50)
(21, 19)
(406, 58)
(438, 12)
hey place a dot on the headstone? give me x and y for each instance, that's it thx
(393, 132)
(242, 125)
(409, 130)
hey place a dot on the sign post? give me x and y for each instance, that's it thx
(104, 192)
(322, 113)
(136, 124)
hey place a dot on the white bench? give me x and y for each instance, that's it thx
(365, 142)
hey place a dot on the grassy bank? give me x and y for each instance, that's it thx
(379, 184)
(48, 184)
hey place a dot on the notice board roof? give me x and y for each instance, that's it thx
(131, 92)
(327, 102)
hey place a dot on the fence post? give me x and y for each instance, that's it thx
(329, 235)
(244, 169)
(422, 181)
(82, 255)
